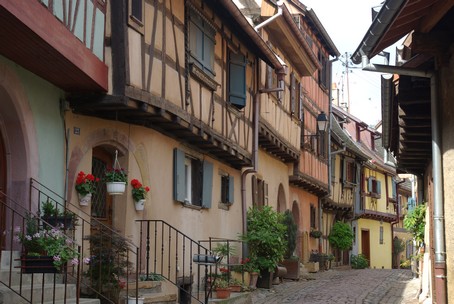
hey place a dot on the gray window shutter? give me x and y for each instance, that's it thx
(344, 170)
(333, 167)
(394, 189)
(301, 103)
(179, 183)
(207, 184)
(237, 80)
(379, 187)
(231, 192)
(292, 93)
(369, 184)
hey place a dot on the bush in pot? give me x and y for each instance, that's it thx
(266, 240)
(291, 262)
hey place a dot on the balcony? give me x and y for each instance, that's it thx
(60, 41)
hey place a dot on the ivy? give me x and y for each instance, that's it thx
(341, 236)
(415, 222)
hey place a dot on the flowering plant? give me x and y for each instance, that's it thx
(139, 192)
(52, 242)
(86, 183)
(249, 265)
(115, 175)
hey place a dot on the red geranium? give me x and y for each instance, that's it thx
(139, 192)
(86, 183)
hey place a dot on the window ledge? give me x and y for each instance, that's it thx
(191, 206)
(224, 206)
(200, 75)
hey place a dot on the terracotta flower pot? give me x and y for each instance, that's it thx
(222, 293)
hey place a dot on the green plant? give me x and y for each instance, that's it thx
(290, 235)
(51, 242)
(315, 233)
(115, 175)
(341, 236)
(359, 261)
(220, 283)
(151, 277)
(86, 183)
(415, 222)
(224, 250)
(265, 237)
(107, 264)
(139, 192)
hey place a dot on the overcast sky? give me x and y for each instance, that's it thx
(347, 22)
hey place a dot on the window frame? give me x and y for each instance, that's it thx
(133, 20)
(227, 189)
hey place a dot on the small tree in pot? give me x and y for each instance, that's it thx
(341, 236)
(291, 262)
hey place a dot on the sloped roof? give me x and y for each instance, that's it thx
(345, 139)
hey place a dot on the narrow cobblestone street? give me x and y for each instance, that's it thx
(344, 285)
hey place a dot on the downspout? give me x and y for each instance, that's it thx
(438, 216)
(272, 18)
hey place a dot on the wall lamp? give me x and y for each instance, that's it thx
(322, 123)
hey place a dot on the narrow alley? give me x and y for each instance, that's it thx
(345, 285)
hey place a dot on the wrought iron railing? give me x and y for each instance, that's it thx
(166, 251)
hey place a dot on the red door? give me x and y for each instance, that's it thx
(365, 244)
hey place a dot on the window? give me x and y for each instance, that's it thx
(259, 192)
(374, 187)
(136, 9)
(201, 42)
(348, 172)
(313, 216)
(333, 168)
(227, 192)
(237, 79)
(271, 80)
(323, 78)
(193, 180)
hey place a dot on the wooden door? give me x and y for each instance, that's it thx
(365, 244)
(101, 204)
(2, 190)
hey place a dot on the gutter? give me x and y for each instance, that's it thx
(438, 213)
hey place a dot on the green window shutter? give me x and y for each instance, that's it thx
(394, 185)
(231, 192)
(379, 187)
(207, 188)
(237, 80)
(369, 184)
(179, 182)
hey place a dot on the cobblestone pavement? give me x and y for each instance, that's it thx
(344, 285)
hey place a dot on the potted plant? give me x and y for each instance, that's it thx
(221, 286)
(115, 180)
(85, 187)
(266, 242)
(44, 250)
(139, 192)
(341, 236)
(57, 218)
(291, 262)
(316, 234)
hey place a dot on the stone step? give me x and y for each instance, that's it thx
(9, 296)
(159, 298)
(16, 277)
(146, 286)
(74, 301)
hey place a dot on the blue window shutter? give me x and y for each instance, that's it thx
(369, 184)
(231, 193)
(379, 187)
(179, 182)
(207, 184)
(237, 80)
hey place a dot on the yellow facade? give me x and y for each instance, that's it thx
(379, 242)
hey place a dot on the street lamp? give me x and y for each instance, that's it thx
(322, 123)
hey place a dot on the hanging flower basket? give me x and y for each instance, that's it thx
(140, 204)
(116, 188)
(84, 200)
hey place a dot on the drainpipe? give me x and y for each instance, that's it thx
(438, 216)
(272, 18)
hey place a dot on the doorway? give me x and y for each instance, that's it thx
(101, 204)
(365, 245)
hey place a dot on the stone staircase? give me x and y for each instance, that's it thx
(41, 288)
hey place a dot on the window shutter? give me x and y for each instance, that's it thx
(369, 184)
(265, 194)
(207, 184)
(301, 103)
(237, 80)
(394, 189)
(292, 93)
(379, 187)
(179, 183)
(333, 167)
(269, 77)
(254, 190)
(231, 192)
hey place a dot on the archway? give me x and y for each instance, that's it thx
(281, 205)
